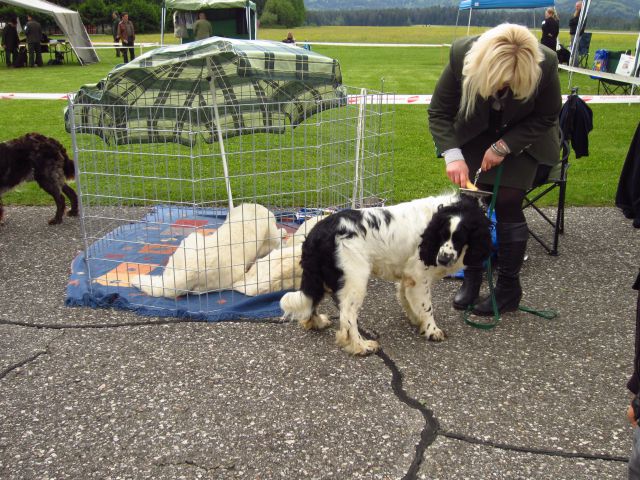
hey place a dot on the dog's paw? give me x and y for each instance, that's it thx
(72, 213)
(55, 221)
(362, 348)
(320, 322)
(432, 333)
(357, 347)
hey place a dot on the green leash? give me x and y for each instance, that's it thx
(548, 314)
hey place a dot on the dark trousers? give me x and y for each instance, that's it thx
(10, 55)
(115, 40)
(129, 49)
(35, 54)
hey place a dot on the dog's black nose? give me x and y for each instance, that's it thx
(445, 258)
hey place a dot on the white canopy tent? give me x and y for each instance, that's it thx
(582, 21)
(70, 24)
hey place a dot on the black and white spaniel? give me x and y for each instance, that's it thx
(414, 244)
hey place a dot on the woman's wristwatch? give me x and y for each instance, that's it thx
(500, 148)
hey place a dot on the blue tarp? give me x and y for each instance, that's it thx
(493, 4)
(130, 248)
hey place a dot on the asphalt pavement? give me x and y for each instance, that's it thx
(106, 394)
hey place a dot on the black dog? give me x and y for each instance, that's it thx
(43, 159)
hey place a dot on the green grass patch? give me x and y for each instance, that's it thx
(592, 180)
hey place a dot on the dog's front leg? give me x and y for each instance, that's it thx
(401, 294)
(350, 298)
(418, 295)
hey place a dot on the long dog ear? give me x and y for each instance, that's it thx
(431, 240)
(479, 244)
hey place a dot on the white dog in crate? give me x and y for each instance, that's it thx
(208, 263)
(280, 270)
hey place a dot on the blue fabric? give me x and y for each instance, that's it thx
(490, 4)
(136, 246)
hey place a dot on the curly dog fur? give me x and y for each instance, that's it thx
(414, 244)
(43, 159)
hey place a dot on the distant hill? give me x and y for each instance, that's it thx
(600, 8)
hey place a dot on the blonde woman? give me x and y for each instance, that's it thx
(497, 102)
(550, 29)
(574, 20)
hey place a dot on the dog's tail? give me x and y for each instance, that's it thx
(297, 305)
(69, 167)
(301, 305)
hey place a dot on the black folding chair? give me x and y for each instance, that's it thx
(556, 179)
(583, 50)
(612, 87)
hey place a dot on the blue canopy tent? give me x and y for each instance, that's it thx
(472, 5)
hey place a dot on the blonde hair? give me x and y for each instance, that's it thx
(552, 11)
(507, 55)
(578, 8)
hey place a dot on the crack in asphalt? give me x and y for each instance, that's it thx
(27, 360)
(432, 429)
(428, 435)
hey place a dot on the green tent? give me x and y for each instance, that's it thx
(229, 18)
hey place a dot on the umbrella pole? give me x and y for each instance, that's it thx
(212, 86)
(357, 187)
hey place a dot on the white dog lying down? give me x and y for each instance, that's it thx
(280, 270)
(207, 263)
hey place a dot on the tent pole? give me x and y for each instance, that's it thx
(163, 18)
(247, 14)
(223, 153)
(636, 63)
(469, 23)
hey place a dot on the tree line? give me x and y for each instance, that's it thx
(440, 15)
(292, 13)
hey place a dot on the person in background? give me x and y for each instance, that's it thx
(202, 27)
(497, 102)
(633, 410)
(34, 37)
(573, 22)
(115, 21)
(10, 42)
(550, 29)
(127, 36)
(289, 38)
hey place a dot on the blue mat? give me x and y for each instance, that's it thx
(145, 247)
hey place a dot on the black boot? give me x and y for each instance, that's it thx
(512, 245)
(470, 288)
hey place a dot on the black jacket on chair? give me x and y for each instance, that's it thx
(579, 127)
(628, 194)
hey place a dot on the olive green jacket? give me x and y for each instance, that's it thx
(530, 126)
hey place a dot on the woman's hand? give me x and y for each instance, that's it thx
(458, 172)
(491, 159)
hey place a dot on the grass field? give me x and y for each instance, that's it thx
(593, 180)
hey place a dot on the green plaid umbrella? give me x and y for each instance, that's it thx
(172, 93)
(210, 89)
